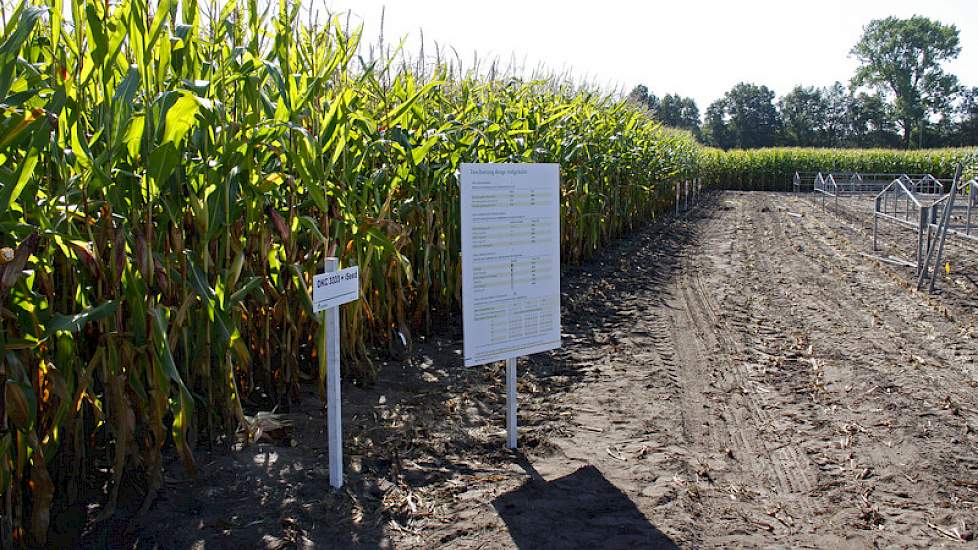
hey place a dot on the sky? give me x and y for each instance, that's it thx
(691, 47)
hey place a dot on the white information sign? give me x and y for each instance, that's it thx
(335, 288)
(510, 260)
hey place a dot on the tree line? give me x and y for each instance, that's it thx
(900, 96)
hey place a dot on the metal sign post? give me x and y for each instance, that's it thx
(329, 291)
(511, 403)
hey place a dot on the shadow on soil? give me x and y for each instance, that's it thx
(579, 510)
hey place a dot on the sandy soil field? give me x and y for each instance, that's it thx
(740, 377)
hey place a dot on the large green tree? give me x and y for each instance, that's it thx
(672, 110)
(871, 121)
(838, 123)
(804, 111)
(679, 112)
(715, 129)
(744, 118)
(640, 94)
(902, 59)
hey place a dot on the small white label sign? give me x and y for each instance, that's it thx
(335, 288)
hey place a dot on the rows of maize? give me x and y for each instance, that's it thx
(172, 174)
(772, 169)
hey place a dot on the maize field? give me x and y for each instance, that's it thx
(172, 176)
(772, 169)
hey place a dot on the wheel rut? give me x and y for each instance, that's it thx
(725, 409)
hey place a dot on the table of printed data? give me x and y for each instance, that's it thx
(510, 260)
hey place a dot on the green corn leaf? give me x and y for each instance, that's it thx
(242, 293)
(183, 405)
(73, 323)
(133, 137)
(180, 117)
(199, 282)
(410, 101)
(21, 24)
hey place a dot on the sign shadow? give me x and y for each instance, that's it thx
(580, 510)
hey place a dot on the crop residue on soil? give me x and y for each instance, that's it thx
(742, 377)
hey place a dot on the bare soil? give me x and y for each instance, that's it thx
(742, 377)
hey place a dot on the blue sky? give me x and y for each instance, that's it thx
(692, 47)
